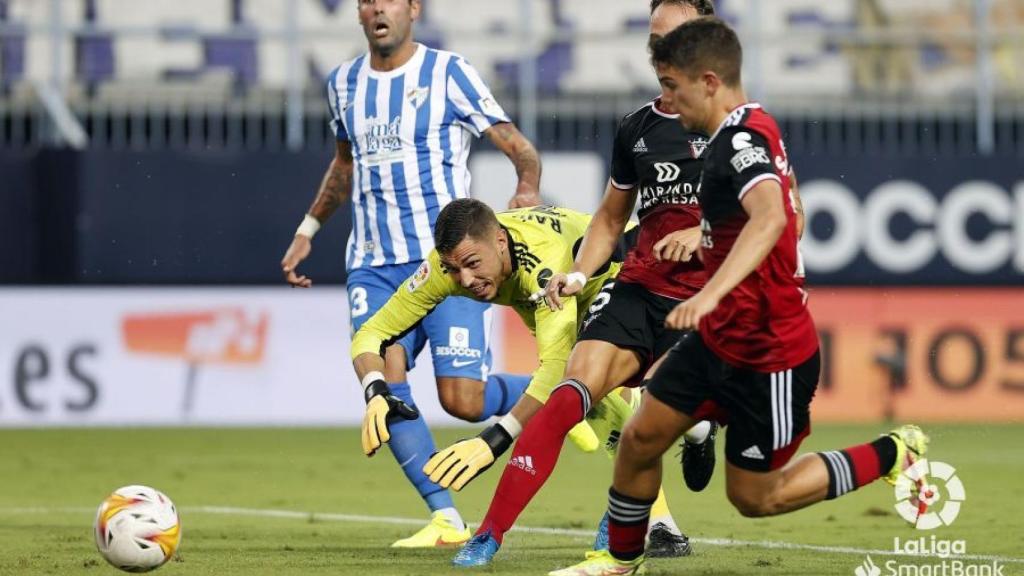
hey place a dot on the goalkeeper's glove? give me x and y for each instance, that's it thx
(381, 405)
(459, 463)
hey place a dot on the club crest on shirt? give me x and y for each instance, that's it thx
(421, 276)
(417, 96)
(697, 146)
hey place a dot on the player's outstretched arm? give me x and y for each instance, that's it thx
(381, 405)
(457, 465)
(767, 220)
(507, 138)
(598, 245)
(335, 189)
(414, 299)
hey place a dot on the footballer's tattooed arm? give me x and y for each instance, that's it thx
(507, 138)
(335, 189)
(336, 186)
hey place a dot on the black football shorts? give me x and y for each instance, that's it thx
(631, 317)
(767, 414)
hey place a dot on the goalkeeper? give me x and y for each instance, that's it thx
(506, 259)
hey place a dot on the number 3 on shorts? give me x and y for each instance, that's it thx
(358, 297)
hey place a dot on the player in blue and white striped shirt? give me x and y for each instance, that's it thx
(403, 115)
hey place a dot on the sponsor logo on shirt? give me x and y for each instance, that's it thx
(383, 141)
(749, 157)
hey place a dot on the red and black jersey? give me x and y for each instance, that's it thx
(763, 323)
(657, 156)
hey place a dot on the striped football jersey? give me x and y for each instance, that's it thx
(409, 129)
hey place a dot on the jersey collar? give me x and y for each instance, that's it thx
(734, 117)
(654, 106)
(414, 60)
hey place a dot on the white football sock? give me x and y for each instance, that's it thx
(699, 433)
(453, 517)
(666, 520)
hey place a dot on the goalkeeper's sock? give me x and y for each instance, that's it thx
(501, 392)
(854, 467)
(453, 516)
(412, 445)
(661, 514)
(535, 455)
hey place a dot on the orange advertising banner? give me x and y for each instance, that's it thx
(908, 354)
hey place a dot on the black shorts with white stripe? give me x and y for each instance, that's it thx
(767, 415)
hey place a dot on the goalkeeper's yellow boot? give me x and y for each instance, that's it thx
(438, 534)
(911, 445)
(582, 435)
(602, 563)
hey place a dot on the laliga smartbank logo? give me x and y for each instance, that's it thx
(928, 496)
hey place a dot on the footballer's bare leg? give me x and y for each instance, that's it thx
(800, 483)
(462, 398)
(646, 437)
(698, 448)
(819, 476)
(394, 364)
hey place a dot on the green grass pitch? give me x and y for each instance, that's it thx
(339, 510)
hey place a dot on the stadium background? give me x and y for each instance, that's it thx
(156, 156)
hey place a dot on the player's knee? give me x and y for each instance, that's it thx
(639, 442)
(752, 504)
(461, 398)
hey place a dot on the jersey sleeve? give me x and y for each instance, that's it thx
(475, 107)
(413, 300)
(335, 105)
(556, 334)
(744, 156)
(623, 170)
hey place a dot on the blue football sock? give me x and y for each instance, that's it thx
(412, 445)
(501, 392)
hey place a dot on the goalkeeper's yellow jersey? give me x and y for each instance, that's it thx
(543, 241)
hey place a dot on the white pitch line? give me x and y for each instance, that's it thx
(335, 517)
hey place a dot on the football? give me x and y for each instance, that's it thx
(137, 529)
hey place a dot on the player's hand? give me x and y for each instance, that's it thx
(526, 196)
(560, 286)
(297, 252)
(687, 315)
(459, 463)
(381, 405)
(678, 246)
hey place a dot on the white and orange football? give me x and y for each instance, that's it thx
(137, 529)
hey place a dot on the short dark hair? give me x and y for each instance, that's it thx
(459, 219)
(705, 43)
(703, 7)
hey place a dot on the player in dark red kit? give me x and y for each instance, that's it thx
(655, 159)
(753, 361)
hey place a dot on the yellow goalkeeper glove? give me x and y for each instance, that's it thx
(381, 405)
(458, 464)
